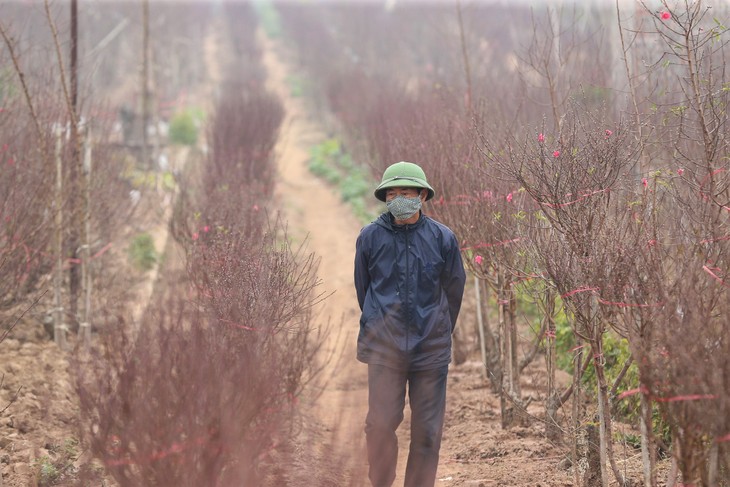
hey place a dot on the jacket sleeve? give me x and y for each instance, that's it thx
(453, 279)
(362, 276)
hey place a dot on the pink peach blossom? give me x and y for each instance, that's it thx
(608, 133)
(680, 171)
(509, 198)
(478, 260)
(666, 15)
(206, 229)
(644, 182)
(195, 236)
(556, 153)
(540, 138)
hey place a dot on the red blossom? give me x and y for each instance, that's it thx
(556, 153)
(541, 138)
(680, 171)
(478, 260)
(666, 15)
(509, 197)
(644, 182)
(608, 133)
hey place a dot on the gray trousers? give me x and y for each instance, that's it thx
(386, 401)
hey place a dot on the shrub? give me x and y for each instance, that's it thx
(48, 474)
(354, 186)
(142, 252)
(183, 129)
(269, 18)
(329, 162)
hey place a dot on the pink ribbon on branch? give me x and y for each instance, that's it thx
(718, 239)
(102, 251)
(482, 245)
(628, 305)
(237, 325)
(579, 290)
(702, 192)
(685, 397)
(582, 197)
(609, 303)
(459, 199)
(631, 392)
(715, 276)
(175, 448)
(723, 438)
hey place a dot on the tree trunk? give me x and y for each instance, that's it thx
(492, 348)
(514, 367)
(506, 411)
(554, 69)
(145, 81)
(591, 465)
(712, 472)
(674, 468)
(59, 328)
(552, 405)
(480, 325)
(691, 461)
(648, 455)
(520, 407)
(85, 325)
(75, 175)
(579, 453)
(604, 414)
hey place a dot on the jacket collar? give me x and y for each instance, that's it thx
(386, 221)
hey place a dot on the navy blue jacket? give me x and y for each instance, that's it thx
(409, 281)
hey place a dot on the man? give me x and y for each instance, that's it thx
(409, 279)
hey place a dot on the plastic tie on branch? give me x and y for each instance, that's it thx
(629, 305)
(568, 203)
(483, 245)
(723, 439)
(175, 448)
(703, 195)
(609, 303)
(237, 325)
(579, 290)
(715, 276)
(679, 398)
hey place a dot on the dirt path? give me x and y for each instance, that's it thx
(316, 212)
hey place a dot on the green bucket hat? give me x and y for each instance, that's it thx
(403, 175)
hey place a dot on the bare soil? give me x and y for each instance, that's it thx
(42, 416)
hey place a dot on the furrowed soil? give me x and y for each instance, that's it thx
(42, 414)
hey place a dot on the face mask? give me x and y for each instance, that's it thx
(402, 208)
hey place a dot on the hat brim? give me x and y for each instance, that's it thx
(402, 182)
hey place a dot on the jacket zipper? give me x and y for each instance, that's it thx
(408, 295)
